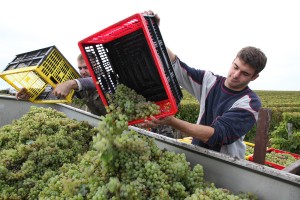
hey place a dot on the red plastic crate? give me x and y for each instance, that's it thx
(133, 53)
(276, 166)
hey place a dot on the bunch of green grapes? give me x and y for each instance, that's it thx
(133, 105)
(78, 102)
(41, 140)
(283, 159)
(212, 192)
(124, 164)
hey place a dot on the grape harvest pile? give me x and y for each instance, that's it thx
(283, 159)
(45, 155)
(38, 144)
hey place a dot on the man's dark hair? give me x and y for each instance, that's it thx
(254, 57)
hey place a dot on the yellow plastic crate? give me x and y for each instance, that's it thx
(186, 140)
(39, 71)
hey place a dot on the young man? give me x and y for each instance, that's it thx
(228, 107)
(84, 87)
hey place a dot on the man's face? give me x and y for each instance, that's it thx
(83, 70)
(239, 75)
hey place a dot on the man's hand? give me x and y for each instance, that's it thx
(154, 122)
(172, 56)
(63, 89)
(23, 94)
(150, 12)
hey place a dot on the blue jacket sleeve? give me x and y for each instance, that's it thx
(235, 122)
(232, 125)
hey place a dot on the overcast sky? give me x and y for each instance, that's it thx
(204, 34)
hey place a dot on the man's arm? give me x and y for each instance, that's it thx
(86, 83)
(200, 132)
(63, 89)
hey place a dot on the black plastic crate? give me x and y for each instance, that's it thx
(163, 54)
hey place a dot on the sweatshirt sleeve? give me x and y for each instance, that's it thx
(189, 78)
(87, 83)
(236, 122)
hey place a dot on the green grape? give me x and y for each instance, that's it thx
(283, 159)
(249, 150)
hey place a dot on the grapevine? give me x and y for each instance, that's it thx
(281, 140)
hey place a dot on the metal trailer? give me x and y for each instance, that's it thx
(226, 172)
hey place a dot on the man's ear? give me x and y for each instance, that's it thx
(254, 77)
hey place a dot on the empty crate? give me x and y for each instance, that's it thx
(132, 52)
(39, 71)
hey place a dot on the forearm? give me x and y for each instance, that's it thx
(200, 132)
(71, 84)
(63, 89)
